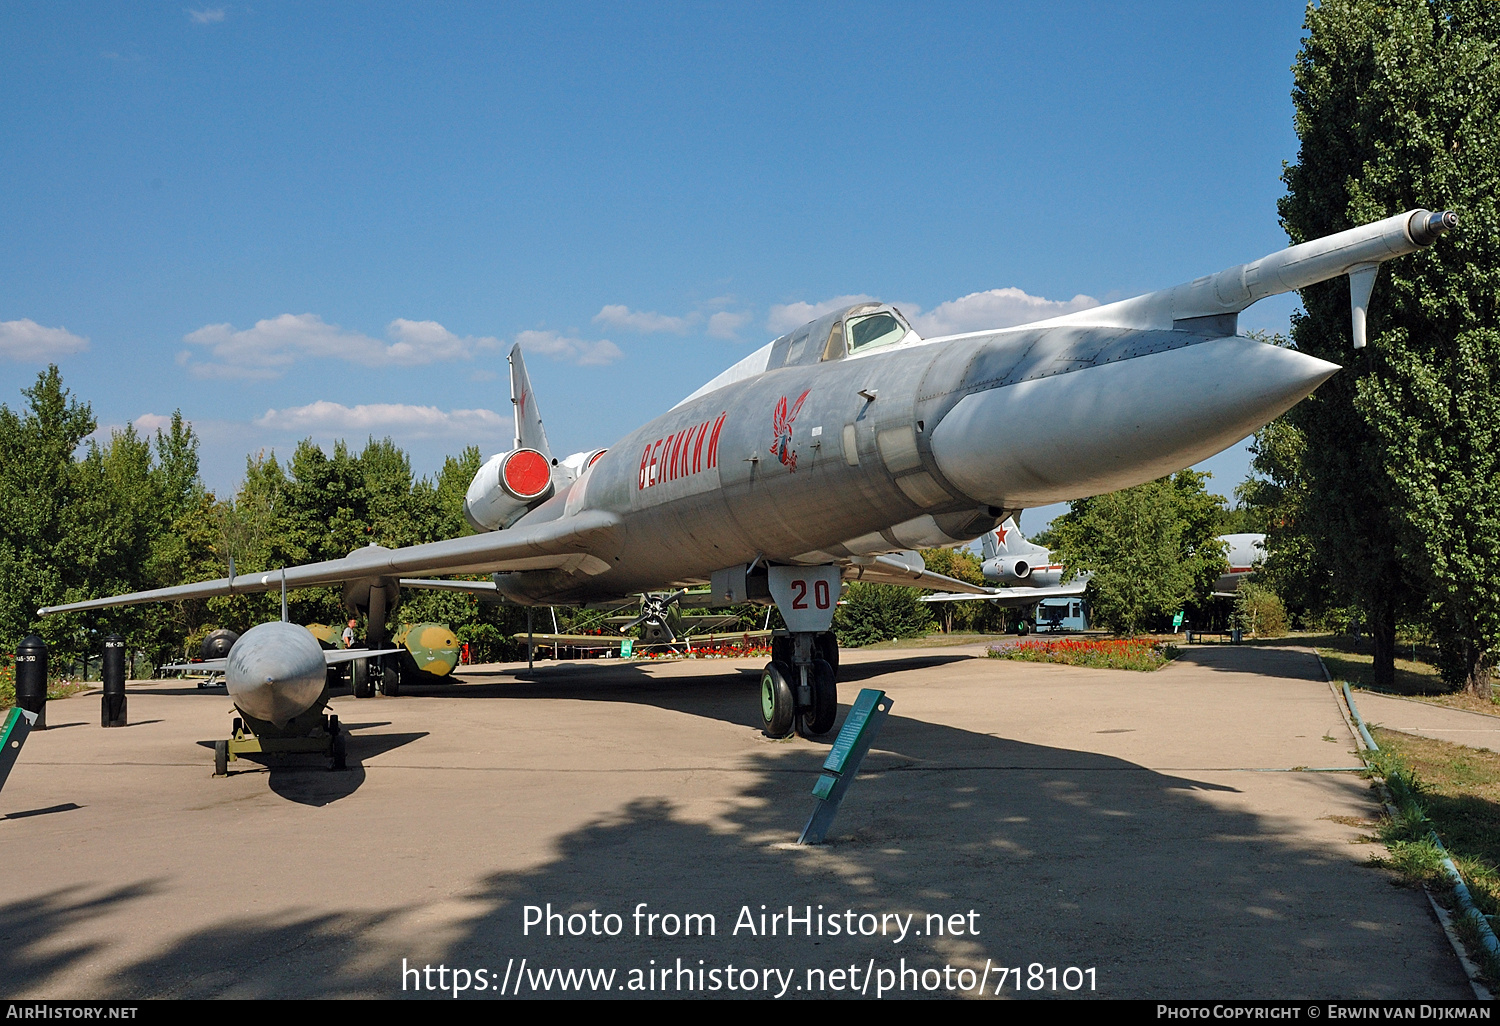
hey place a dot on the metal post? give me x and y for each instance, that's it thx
(112, 671)
(31, 679)
(529, 648)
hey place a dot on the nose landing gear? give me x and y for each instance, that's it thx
(800, 693)
(799, 686)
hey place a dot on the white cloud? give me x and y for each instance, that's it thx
(787, 316)
(647, 322)
(27, 340)
(996, 308)
(151, 423)
(725, 324)
(273, 345)
(397, 419)
(569, 350)
(205, 17)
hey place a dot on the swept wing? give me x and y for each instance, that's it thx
(567, 543)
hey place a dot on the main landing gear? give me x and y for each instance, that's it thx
(382, 672)
(799, 686)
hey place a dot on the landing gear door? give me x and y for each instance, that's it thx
(806, 595)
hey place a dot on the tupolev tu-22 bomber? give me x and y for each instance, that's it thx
(833, 453)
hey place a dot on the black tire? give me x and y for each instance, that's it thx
(221, 758)
(390, 676)
(826, 648)
(340, 751)
(778, 706)
(818, 720)
(781, 648)
(359, 672)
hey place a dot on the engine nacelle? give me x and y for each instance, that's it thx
(1011, 570)
(573, 466)
(506, 487)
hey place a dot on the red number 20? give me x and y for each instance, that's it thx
(821, 594)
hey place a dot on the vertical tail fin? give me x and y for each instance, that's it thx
(529, 431)
(994, 543)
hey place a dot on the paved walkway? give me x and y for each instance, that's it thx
(1475, 730)
(1152, 829)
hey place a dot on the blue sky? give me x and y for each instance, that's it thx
(331, 220)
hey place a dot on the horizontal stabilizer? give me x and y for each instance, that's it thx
(1014, 596)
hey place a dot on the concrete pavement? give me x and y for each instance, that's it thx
(1142, 826)
(1459, 726)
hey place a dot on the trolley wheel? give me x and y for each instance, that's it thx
(360, 674)
(778, 707)
(221, 758)
(818, 719)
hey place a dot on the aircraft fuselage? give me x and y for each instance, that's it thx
(917, 445)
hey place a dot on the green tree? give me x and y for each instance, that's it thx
(1150, 549)
(880, 612)
(1396, 106)
(39, 491)
(963, 565)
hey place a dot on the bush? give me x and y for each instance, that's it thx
(1258, 611)
(880, 612)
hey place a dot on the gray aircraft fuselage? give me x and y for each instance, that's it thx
(791, 464)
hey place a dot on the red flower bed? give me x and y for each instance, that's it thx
(1102, 653)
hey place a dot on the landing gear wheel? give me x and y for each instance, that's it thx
(778, 707)
(340, 750)
(221, 758)
(360, 674)
(390, 679)
(817, 720)
(826, 648)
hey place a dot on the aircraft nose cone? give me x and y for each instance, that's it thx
(1095, 430)
(275, 671)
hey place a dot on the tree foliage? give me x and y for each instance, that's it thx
(1396, 497)
(880, 612)
(1150, 550)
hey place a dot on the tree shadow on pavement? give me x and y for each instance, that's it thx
(1164, 885)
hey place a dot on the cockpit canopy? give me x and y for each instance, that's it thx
(852, 331)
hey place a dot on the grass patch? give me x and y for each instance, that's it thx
(1416, 678)
(1098, 653)
(1454, 790)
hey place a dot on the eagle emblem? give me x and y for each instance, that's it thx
(781, 430)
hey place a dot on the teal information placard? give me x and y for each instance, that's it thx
(860, 727)
(854, 727)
